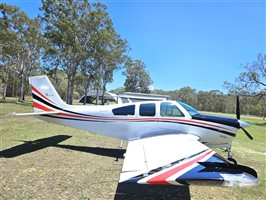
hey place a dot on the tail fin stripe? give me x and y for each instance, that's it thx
(41, 107)
(35, 90)
(35, 97)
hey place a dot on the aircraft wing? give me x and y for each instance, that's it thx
(180, 159)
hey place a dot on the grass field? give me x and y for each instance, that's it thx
(46, 161)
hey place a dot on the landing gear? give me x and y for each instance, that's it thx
(121, 144)
(230, 155)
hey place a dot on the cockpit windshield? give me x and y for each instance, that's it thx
(192, 111)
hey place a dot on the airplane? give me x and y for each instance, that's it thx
(169, 142)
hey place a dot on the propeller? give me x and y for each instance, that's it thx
(237, 107)
(247, 133)
(241, 123)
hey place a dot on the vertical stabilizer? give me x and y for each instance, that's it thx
(45, 97)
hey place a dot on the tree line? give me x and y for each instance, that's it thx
(73, 41)
(217, 101)
(250, 85)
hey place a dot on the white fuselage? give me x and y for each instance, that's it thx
(140, 124)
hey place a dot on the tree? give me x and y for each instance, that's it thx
(137, 78)
(8, 39)
(20, 44)
(109, 56)
(80, 37)
(252, 81)
(187, 95)
(105, 52)
(66, 32)
(118, 90)
(251, 85)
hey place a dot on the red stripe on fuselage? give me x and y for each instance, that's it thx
(161, 179)
(195, 121)
(64, 113)
(143, 119)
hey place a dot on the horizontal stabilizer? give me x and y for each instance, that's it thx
(33, 114)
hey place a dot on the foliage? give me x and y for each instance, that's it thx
(79, 49)
(251, 85)
(66, 35)
(216, 101)
(137, 78)
(118, 90)
(80, 37)
(252, 81)
(106, 51)
(20, 43)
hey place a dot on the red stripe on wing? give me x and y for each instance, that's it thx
(161, 179)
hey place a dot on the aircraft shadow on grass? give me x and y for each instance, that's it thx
(109, 152)
(123, 191)
(150, 192)
(32, 146)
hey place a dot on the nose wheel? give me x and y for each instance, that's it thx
(230, 155)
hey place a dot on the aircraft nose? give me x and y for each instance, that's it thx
(243, 124)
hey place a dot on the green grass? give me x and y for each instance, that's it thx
(73, 170)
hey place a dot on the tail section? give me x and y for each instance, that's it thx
(45, 97)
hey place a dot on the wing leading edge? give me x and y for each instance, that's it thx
(181, 159)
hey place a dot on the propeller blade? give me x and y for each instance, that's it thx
(237, 107)
(247, 133)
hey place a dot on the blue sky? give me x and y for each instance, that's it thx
(199, 44)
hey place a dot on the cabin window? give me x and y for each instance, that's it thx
(126, 110)
(147, 109)
(170, 110)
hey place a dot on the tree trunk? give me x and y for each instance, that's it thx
(104, 88)
(70, 88)
(86, 92)
(71, 74)
(97, 96)
(13, 92)
(21, 88)
(4, 91)
(5, 88)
